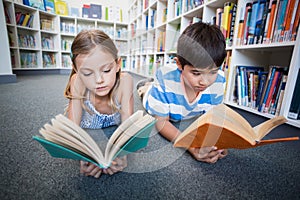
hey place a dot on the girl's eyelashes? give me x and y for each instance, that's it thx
(87, 74)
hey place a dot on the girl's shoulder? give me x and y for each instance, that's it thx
(125, 78)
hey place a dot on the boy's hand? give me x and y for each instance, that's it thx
(89, 169)
(117, 165)
(208, 154)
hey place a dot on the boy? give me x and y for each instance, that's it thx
(189, 88)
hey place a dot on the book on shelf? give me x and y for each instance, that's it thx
(65, 139)
(74, 12)
(267, 21)
(296, 22)
(224, 128)
(61, 7)
(294, 110)
(35, 4)
(49, 6)
(85, 10)
(95, 11)
(274, 72)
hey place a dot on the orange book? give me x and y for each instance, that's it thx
(271, 21)
(296, 23)
(224, 128)
(287, 20)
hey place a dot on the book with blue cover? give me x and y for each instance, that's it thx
(65, 139)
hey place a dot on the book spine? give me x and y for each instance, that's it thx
(271, 91)
(259, 22)
(295, 105)
(267, 89)
(251, 31)
(271, 22)
(296, 23)
(277, 94)
(287, 20)
(288, 33)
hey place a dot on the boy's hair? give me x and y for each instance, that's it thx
(201, 45)
(84, 43)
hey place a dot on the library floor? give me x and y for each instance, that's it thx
(157, 172)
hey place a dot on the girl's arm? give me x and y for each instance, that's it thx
(75, 107)
(126, 91)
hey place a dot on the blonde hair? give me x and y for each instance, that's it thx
(84, 43)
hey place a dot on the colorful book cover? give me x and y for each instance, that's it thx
(61, 7)
(49, 6)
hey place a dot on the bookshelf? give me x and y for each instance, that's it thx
(44, 43)
(154, 31)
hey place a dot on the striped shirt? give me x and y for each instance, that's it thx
(97, 120)
(166, 96)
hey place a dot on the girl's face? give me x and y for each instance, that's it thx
(97, 71)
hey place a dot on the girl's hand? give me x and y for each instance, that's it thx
(208, 154)
(89, 169)
(117, 165)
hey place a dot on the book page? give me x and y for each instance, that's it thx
(123, 126)
(128, 134)
(264, 128)
(220, 121)
(69, 126)
(57, 139)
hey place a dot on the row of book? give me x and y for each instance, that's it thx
(259, 89)
(47, 25)
(24, 19)
(182, 6)
(68, 28)
(161, 41)
(28, 60)
(66, 61)
(49, 60)
(26, 41)
(225, 20)
(266, 21)
(47, 43)
(66, 44)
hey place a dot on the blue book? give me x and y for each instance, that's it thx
(267, 88)
(65, 139)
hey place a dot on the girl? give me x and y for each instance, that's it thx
(100, 94)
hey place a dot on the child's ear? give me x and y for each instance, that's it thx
(178, 64)
(119, 60)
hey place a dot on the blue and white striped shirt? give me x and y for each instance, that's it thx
(97, 120)
(166, 97)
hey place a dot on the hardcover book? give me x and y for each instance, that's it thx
(65, 139)
(224, 128)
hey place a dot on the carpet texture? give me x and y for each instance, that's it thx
(157, 172)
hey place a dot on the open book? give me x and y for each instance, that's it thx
(224, 128)
(65, 139)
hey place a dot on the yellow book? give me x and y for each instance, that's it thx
(61, 7)
(26, 18)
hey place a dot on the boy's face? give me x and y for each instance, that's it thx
(198, 79)
(97, 71)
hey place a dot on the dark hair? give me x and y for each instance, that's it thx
(201, 45)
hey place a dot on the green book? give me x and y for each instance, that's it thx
(65, 139)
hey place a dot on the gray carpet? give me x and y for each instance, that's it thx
(157, 172)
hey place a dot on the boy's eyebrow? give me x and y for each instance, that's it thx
(201, 70)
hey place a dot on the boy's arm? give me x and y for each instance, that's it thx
(166, 128)
(205, 154)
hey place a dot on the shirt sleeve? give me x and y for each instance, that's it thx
(155, 101)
